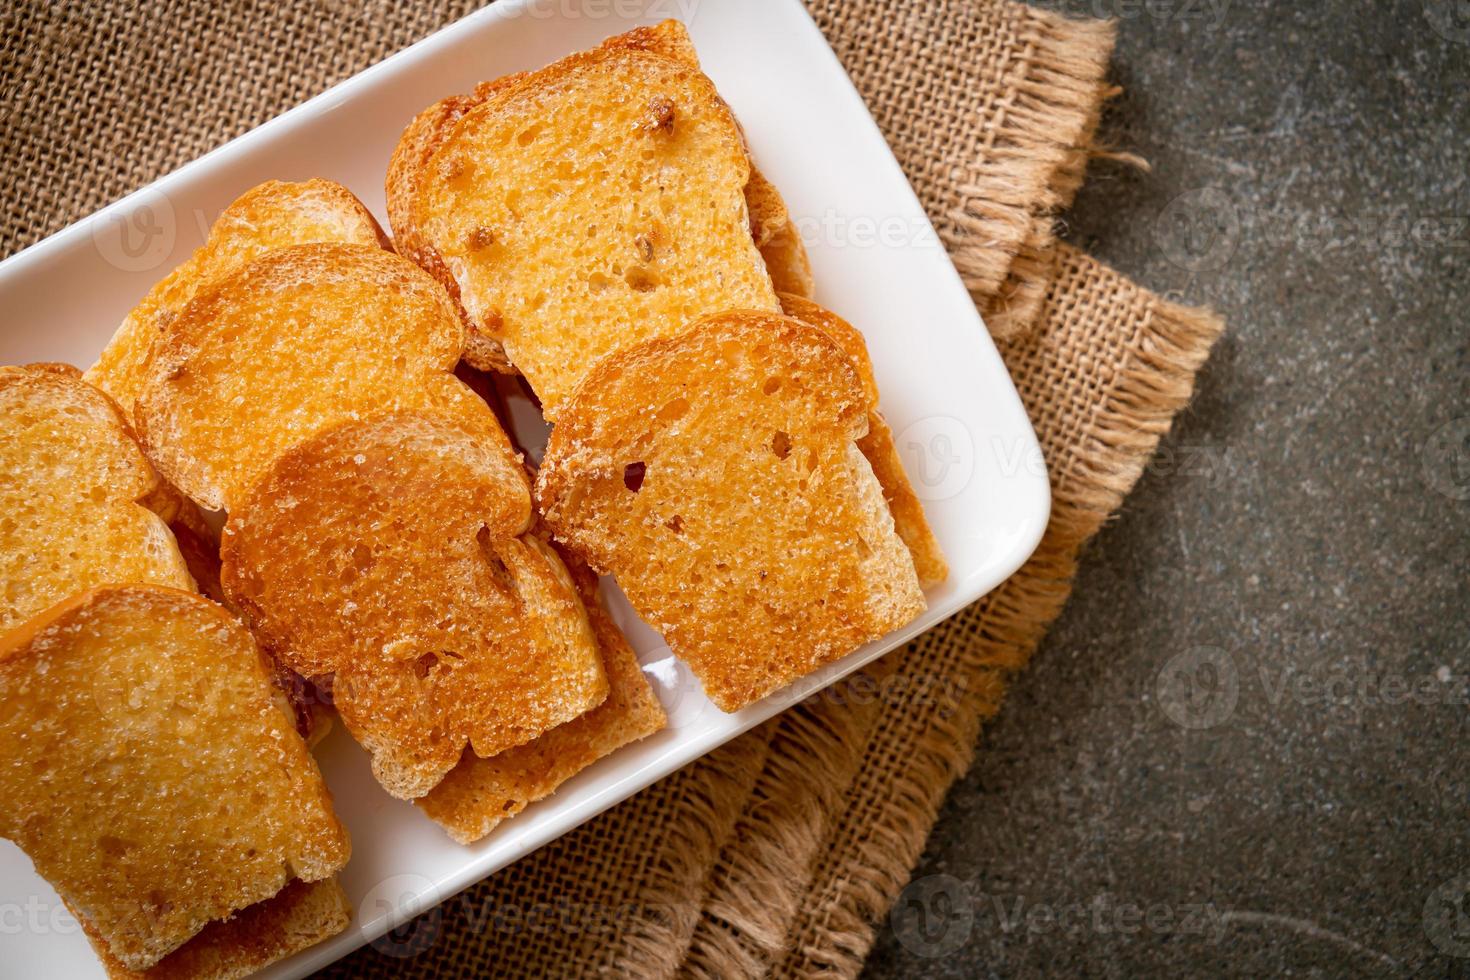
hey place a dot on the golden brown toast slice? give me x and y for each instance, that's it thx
(302, 915)
(269, 216)
(392, 554)
(303, 339)
(424, 135)
(775, 234)
(79, 502)
(771, 225)
(878, 445)
(717, 475)
(148, 772)
(481, 792)
(586, 206)
(772, 228)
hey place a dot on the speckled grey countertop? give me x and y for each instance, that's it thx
(1243, 749)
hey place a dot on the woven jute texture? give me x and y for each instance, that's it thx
(780, 852)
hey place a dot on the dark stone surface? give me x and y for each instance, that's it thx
(1303, 543)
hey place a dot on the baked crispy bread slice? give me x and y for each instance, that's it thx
(269, 216)
(717, 475)
(79, 502)
(774, 233)
(302, 915)
(148, 772)
(878, 445)
(481, 792)
(424, 135)
(778, 238)
(391, 553)
(303, 339)
(586, 206)
(771, 226)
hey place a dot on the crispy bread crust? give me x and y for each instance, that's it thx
(716, 474)
(388, 553)
(425, 134)
(268, 216)
(84, 506)
(479, 793)
(302, 339)
(175, 790)
(301, 915)
(433, 137)
(878, 445)
(778, 238)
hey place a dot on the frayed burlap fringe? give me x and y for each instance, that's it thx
(667, 904)
(1006, 150)
(1033, 168)
(877, 830)
(746, 915)
(1016, 306)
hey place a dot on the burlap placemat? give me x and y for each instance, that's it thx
(781, 851)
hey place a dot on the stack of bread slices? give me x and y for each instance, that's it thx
(716, 441)
(387, 555)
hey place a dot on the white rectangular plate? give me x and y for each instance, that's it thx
(964, 435)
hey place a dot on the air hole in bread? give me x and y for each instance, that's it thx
(675, 524)
(781, 444)
(362, 559)
(528, 135)
(425, 665)
(633, 475)
(498, 571)
(772, 385)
